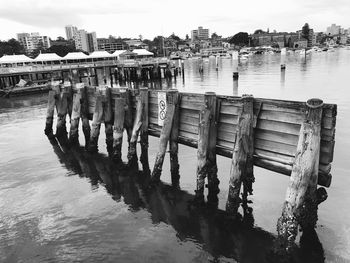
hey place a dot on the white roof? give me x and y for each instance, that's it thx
(118, 52)
(75, 55)
(142, 52)
(15, 59)
(100, 54)
(48, 57)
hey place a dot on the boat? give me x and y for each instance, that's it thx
(24, 90)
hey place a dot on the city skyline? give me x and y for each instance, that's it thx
(164, 17)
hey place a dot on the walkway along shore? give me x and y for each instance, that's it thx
(291, 138)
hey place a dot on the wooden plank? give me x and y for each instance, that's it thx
(285, 138)
(281, 116)
(226, 135)
(225, 144)
(230, 109)
(191, 105)
(228, 118)
(188, 128)
(189, 120)
(227, 127)
(276, 147)
(281, 158)
(288, 128)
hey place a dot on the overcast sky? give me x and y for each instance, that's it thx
(162, 17)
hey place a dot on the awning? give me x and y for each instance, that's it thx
(10, 59)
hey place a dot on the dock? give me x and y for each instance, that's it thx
(93, 73)
(288, 137)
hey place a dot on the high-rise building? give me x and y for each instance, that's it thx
(200, 34)
(333, 30)
(92, 42)
(33, 41)
(85, 41)
(71, 31)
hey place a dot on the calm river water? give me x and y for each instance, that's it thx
(61, 205)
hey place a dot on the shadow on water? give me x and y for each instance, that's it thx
(225, 238)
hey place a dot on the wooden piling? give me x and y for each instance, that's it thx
(108, 119)
(62, 109)
(172, 99)
(240, 155)
(50, 112)
(213, 182)
(118, 128)
(96, 124)
(74, 122)
(300, 206)
(84, 112)
(144, 131)
(132, 156)
(173, 145)
(205, 143)
(128, 120)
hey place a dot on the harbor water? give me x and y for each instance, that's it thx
(65, 205)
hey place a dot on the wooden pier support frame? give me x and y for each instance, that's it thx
(144, 131)
(128, 119)
(300, 206)
(50, 113)
(96, 124)
(174, 145)
(242, 154)
(109, 120)
(172, 99)
(118, 129)
(62, 109)
(206, 153)
(84, 113)
(74, 122)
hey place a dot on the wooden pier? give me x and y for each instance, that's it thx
(292, 138)
(91, 73)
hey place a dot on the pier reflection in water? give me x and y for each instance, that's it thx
(225, 239)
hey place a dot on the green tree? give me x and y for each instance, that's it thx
(259, 31)
(61, 50)
(11, 47)
(240, 39)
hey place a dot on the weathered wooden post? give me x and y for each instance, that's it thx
(50, 112)
(206, 115)
(62, 109)
(108, 119)
(173, 145)
(172, 99)
(128, 120)
(96, 124)
(132, 155)
(213, 182)
(74, 122)
(241, 154)
(144, 131)
(235, 58)
(300, 206)
(118, 128)
(283, 58)
(84, 112)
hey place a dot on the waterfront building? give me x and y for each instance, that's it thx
(333, 30)
(71, 31)
(33, 41)
(135, 44)
(200, 34)
(110, 44)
